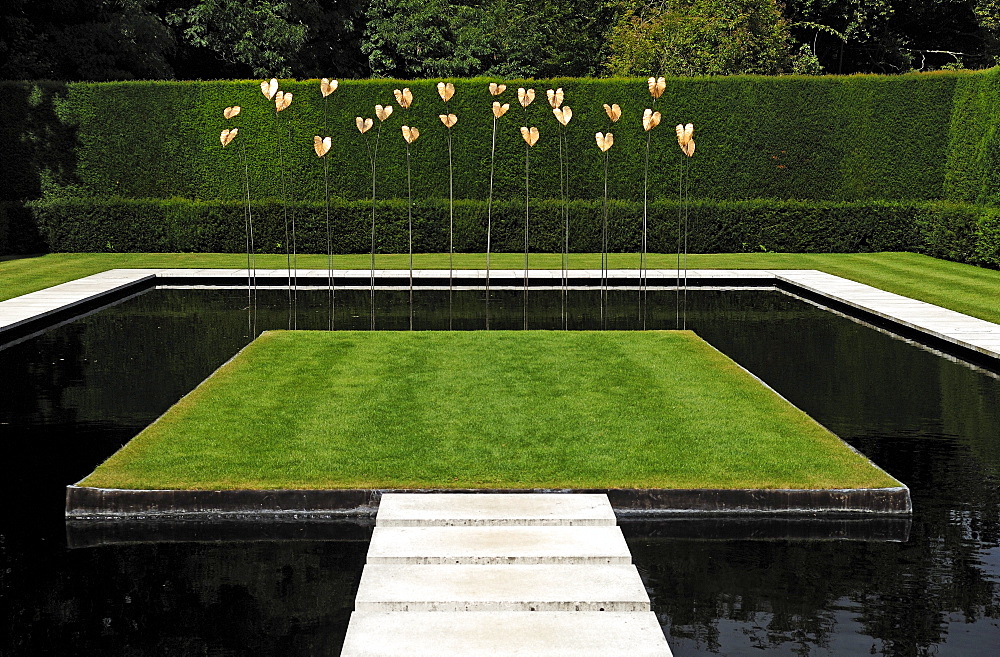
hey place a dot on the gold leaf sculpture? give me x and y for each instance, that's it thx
(563, 114)
(685, 138)
(656, 86)
(230, 112)
(282, 100)
(227, 136)
(448, 119)
(650, 119)
(383, 112)
(327, 86)
(410, 134)
(530, 135)
(364, 125)
(322, 145)
(499, 110)
(446, 90)
(269, 88)
(497, 89)
(404, 97)
(613, 111)
(555, 97)
(525, 97)
(604, 142)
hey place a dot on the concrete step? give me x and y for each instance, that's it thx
(498, 545)
(478, 588)
(504, 634)
(475, 509)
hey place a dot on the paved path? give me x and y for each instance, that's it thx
(488, 575)
(947, 325)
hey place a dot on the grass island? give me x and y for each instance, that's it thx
(456, 410)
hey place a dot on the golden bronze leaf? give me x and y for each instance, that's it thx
(525, 96)
(446, 90)
(322, 145)
(364, 125)
(404, 97)
(530, 135)
(448, 119)
(410, 134)
(656, 86)
(269, 88)
(230, 112)
(499, 110)
(555, 97)
(328, 86)
(383, 112)
(227, 136)
(604, 142)
(497, 89)
(614, 112)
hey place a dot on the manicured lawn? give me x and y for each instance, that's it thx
(967, 289)
(508, 409)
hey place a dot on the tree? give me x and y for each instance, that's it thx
(892, 36)
(503, 38)
(701, 37)
(83, 40)
(259, 35)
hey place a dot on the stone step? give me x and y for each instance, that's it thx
(476, 588)
(498, 545)
(504, 633)
(475, 509)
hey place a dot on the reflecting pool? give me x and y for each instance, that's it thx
(76, 393)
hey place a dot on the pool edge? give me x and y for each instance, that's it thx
(83, 502)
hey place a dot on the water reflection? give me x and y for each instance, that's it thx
(75, 394)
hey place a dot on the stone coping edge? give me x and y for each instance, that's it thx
(105, 503)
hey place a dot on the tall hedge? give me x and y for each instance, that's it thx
(783, 163)
(807, 138)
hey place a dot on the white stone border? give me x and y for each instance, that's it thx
(967, 332)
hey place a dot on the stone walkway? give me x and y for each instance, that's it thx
(952, 327)
(487, 575)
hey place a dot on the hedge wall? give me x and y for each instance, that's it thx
(783, 163)
(809, 138)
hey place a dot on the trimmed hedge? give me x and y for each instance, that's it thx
(858, 163)
(791, 137)
(178, 225)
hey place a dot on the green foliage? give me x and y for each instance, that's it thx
(940, 229)
(700, 37)
(255, 33)
(509, 38)
(83, 40)
(791, 164)
(829, 138)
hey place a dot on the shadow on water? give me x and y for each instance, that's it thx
(75, 394)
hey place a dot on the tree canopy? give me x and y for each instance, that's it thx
(205, 39)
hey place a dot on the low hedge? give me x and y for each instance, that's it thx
(958, 232)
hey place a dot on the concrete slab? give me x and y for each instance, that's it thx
(504, 634)
(498, 545)
(501, 588)
(471, 509)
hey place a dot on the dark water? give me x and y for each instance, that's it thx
(72, 396)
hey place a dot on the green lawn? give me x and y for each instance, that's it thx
(967, 289)
(508, 409)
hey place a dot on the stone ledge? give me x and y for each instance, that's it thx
(105, 503)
